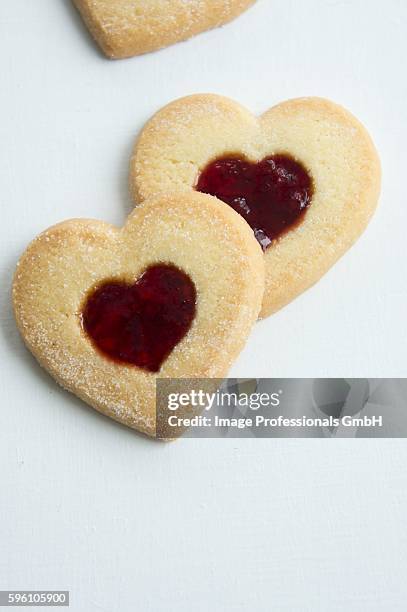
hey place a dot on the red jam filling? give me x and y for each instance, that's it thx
(271, 195)
(140, 324)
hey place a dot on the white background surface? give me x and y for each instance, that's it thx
(125, 523)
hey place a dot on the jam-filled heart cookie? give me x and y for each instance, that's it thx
(305, 176)
(130, 27)
(173, 294)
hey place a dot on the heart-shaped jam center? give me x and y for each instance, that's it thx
(272, 195)
(140, 324)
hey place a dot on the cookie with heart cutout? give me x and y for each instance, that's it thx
(305, 176)
(131, 27)
(173, 294)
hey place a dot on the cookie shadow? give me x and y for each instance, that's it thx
(123, 173)
(15, 346)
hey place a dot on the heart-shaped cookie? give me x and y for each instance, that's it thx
(305, 176)
(173, 294)
(130, 27)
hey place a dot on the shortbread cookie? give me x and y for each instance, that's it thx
(305, 176)
(130, 27)
(173, 294)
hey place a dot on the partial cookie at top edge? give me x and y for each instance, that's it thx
(127, 28)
